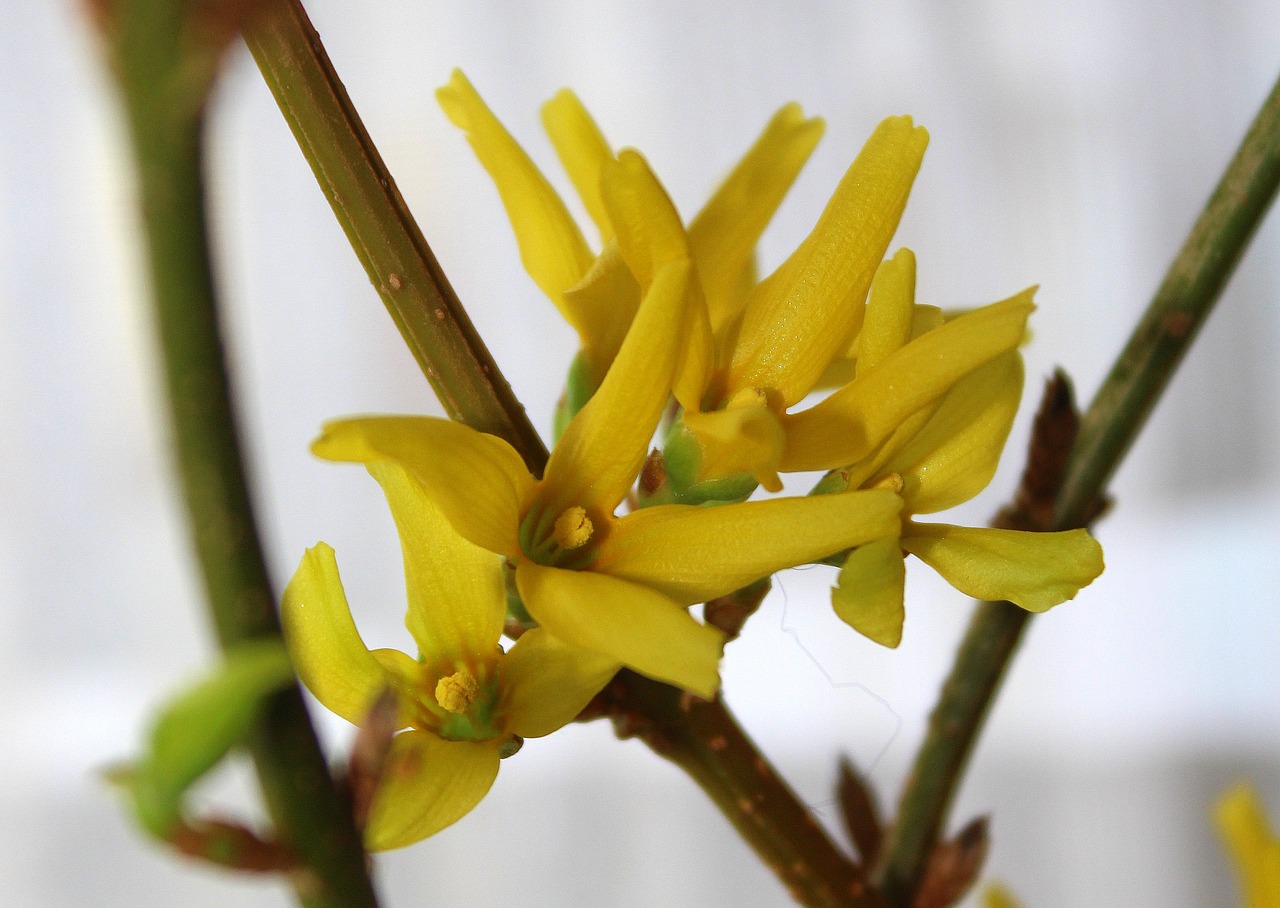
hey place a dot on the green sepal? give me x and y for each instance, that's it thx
(197, 729)
(516, 612)
(832, 481)
(578, 388)
(682, 457)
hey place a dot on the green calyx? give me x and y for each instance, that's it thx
(682, 454)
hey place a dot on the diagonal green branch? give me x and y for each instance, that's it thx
(164, 69)
(382, 231)
(1118, 412)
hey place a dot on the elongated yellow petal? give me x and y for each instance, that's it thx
(849, 424)
(327, 651)
(1034, 570)
(583, 151)
(868, 593)
(725, 232)
(551, 245)
(1254, 848)
(955, 455)
(887, 325)
(610, 296)
(478, 481)
(637, 626)
(651, 235)
(808, 311)
(549, 682)
(428, 784)
(604, 446)
(457, 601)
(649, 231)
(844, 366)
(693, 554)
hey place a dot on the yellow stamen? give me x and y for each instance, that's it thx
(573, 528)
(890, 481)
(458, 691)
(748, 397)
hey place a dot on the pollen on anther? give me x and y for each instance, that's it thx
(573, 528)
(890, 481)
(458, 691)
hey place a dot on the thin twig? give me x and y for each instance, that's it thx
(382, 231)
(1191, 287)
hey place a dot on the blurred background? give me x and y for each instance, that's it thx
(1072, 146)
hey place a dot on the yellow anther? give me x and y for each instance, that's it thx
(890, 481)
(458, 691)
(748, 397)
(573, 528)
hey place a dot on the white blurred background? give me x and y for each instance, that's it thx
(1072, 145)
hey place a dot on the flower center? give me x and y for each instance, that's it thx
(458, 691)
(573, 528)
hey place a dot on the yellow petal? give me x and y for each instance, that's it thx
(1254, 848)
(955, 455)
(428, 784)
(326, 648)
(745, 439)
(582, 149)
(1034, 570)
(887, 325)
(868, 593)
(604, 446)
(693, 554)
(808, 311)
(648, 227)
(997, 895)
(851, 422)
(457, 601)
(549, 682)
(478, 481)
(551, 245)
(843, 368)
(651, 235)
(725, 232)
(610, 296)
(632, 624)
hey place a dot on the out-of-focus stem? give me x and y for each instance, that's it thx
(1190, 288)
(163, 85)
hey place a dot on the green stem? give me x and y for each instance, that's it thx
(1188, 293)
(707, 742)
(164, 107)
(383, 233)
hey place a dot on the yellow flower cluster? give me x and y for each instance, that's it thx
(919, 413)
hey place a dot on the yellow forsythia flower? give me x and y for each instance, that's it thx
(597, 293)
(938, 457)
(616, 585)
(462, 699)
(1252, 845)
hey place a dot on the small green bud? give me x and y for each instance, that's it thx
(578, 388)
